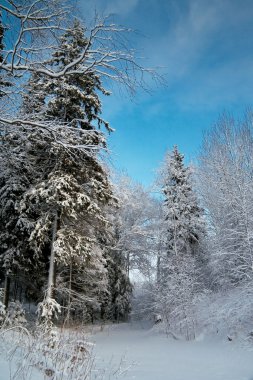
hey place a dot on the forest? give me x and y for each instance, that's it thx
(84, 244)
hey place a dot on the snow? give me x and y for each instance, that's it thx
(147, 355)
(12, 361)
(8, 371)
(4, 369)
(133, 351)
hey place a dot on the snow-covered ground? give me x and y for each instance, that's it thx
(4, 368)
(13, 363)
(8, 371)
(146, 355)
(129, 351)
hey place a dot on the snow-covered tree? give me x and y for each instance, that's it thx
(15, 179)
(75, 185)
(135, 242)
(184, 224)
(39, 28)
(182, 212)
(4, 83)
(55, 187)
(70, 99)
(118, 304)
(135, 223)
(226, 187)
(60, 209)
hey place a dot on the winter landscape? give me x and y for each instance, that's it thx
(127, 257)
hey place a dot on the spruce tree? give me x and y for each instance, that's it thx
(21, 169)
(76, 187)
(118, 304)
(184, 226)
(7, 197)
(74, 98)
(182, 213)
(61, 210)
(60, 219)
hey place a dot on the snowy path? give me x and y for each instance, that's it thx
(155, 357)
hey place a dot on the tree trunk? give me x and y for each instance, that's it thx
(158, 269)
(55, 272)
(70, 290)
(51, 273)
(128, 264)
(7, 284)
(158, 261)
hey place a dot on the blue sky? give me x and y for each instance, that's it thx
(206, 51)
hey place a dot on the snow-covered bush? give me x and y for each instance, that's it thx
(69, 358)
(227, 314)
(47, 311)
(15, 314)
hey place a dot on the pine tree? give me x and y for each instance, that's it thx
(184, 225)
(77, 187)
(73, 98)
(118, 305)
(182, 213)
(20, 170)
(61, 209)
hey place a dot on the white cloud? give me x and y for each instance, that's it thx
(181, 46)
(121, 7)
(107, 7)
(192, 46)
(200, 75)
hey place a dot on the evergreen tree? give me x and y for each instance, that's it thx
(178, 280)
(118, 305)
(26, 158)
(73, 98)
(61, 210)
(182, 213)
(77, 187)
(57, 218)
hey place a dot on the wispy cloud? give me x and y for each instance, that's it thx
(119, 6)
(206, 50)
(108, 7)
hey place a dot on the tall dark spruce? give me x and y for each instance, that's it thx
(60, 209)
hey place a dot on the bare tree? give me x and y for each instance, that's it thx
(226, 180)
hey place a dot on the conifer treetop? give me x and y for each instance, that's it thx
(183, 215)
